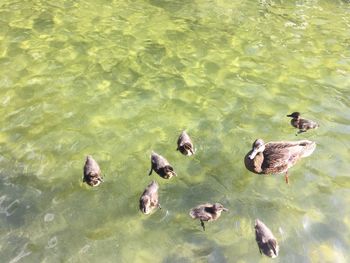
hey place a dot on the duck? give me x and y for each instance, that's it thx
(184, 144)
(302, 124)
(149, 198)
(207, 212)
(277, 157)
(92, 172)
(267, 243)
(161, 166)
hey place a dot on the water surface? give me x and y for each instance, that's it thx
(118, 79)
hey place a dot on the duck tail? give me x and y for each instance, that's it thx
(309, 148)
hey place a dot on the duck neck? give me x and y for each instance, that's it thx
(258, 161)
(295, 121)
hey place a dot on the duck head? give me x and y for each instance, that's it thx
(186, 149)
(168, 172)
(96, 181)
(145, 204)
(219, 207)
(294, 115)
(257, 147)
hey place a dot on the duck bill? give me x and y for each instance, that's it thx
(290, 115)
(253, 154)
(224, 209)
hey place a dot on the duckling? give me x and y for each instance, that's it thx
(92, 172)
(277, 157)
(161, 166)
(149, 198)
(185, 145)
(207, 212)
(267, 243)
(302, 124)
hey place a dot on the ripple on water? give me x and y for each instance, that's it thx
(49, 217)
(84, 249)
(52, 242)
(9, 209)
(23, 253)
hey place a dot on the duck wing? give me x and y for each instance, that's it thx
(91, 168)
(200, 213)
(307, 124)
(279, 156)
(158, 161)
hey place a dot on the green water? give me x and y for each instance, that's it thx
(118, 79)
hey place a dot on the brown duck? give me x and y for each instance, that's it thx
(276, 157)
(267, 243)
(302, 124)
(149, 198)
(207, 212)
(185, 145)
(92, 172)
(161, 166)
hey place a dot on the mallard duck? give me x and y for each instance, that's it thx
(302, 124)
(161, 166)
(92, 172)
(207, 212)
(276, 157)
(149, 198)
(267, 243)
(185, 145)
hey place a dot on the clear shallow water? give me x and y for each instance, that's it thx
(118, 79)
